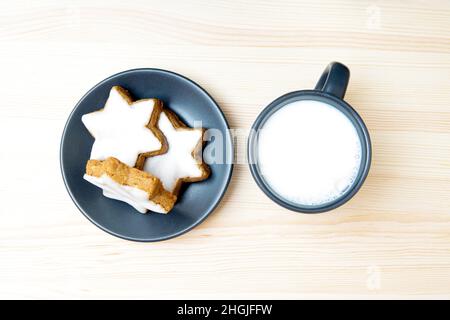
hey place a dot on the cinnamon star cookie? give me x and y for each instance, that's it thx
(136, 187)
(182, 162)
(124, 129)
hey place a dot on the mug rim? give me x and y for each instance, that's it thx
(341, 105)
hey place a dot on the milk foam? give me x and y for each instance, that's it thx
(309, 152)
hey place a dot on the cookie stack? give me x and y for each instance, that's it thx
(142, 152)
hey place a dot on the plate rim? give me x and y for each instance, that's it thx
(230, 165)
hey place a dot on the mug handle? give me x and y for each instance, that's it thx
(334, 80)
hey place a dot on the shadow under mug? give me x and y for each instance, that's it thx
(330, 89)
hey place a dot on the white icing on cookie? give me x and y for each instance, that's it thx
(178, 162)
(131, 195)
(120, 129)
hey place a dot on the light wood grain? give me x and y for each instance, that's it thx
(391, 240)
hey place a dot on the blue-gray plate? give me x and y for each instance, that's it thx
(197, 200)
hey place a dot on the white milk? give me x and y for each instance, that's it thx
(309, 152)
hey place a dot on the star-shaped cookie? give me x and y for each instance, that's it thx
(136, 187)
(124, 129)
(182, 161)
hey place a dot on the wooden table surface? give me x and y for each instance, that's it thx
(391, 240)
